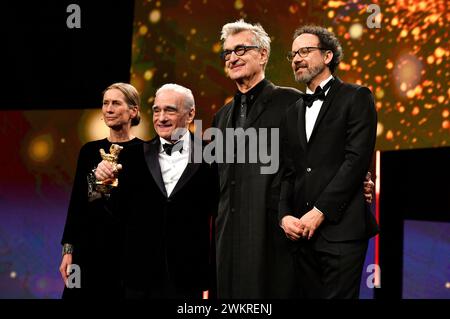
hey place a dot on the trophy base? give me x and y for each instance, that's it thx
(106, 188)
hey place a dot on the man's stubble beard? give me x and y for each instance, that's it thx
(308, 76)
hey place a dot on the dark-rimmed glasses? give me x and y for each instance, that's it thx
(240, 50)
(302, 52)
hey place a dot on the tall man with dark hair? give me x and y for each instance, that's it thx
(328, 138)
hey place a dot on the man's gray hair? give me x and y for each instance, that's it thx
(261, 38)
(189, 101)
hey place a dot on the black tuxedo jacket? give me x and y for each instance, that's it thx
(166, 237)
(328, 171)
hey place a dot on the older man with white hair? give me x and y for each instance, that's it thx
(166, 201)
(252, 256)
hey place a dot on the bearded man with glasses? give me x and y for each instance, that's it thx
(328, 138)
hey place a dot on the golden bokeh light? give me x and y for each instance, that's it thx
(380, 129)
(148, 75)
(238, 4)
(143, 29)
(407, 73)
(356, 31)
(40, 148)
(154, 16)
(91, 126)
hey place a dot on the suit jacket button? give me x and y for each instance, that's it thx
(308, 169)
(233, 210)
(233, 182)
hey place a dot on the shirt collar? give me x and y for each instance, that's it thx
(254, 92)
(322, 84)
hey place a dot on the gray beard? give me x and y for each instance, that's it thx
(308, 76)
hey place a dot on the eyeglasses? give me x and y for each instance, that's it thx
(240, 50)
(302, 52)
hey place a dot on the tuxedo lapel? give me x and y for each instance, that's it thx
(259, 105)
(229, 116)
(300, 106)
(151, 151)
(191, 167)
(326, 104)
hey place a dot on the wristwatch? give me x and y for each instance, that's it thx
(67, 249)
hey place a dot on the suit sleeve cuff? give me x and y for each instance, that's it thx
(315, 207)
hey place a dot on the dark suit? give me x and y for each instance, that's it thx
(328, 173)
(252, 258)
(167, 243)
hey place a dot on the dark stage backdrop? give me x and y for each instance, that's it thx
(50, 105)
(63, 53)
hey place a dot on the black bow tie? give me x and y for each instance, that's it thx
(319, 94)
(169, 147)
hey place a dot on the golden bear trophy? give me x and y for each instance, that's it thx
(106, 185)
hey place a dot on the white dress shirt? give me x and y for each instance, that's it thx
(313, 111)
(172, 167)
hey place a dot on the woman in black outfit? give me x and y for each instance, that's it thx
(92, 233)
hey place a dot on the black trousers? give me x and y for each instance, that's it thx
(329, 270)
